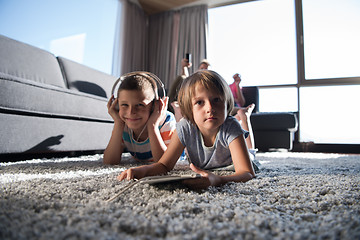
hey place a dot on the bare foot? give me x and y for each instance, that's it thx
(249, 109)
(244, 112)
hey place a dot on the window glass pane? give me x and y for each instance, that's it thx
(255, 39)
(278, 100)
(330, 114)
(81, 30)
(331, 38)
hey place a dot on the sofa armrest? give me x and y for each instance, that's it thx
(84, 79)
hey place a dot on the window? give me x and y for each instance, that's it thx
(331, 38)
(331, 55)
(278, 99)
(259, 42)
(330, 114)
(81, 30)
(256, 39)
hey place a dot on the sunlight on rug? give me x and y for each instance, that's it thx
(14, 177)
(6, 178)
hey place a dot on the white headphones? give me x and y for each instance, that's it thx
(153, 79)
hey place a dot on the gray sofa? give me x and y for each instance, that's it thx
(272, 130)
(50, 104)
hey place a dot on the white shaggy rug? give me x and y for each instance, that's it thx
(295, 196)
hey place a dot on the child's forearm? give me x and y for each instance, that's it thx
(143, 171)
(243, 177)
(114, 149)
(156, 169)
(157, 144)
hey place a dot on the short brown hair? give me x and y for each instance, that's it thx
(139, 81)
(211, 81)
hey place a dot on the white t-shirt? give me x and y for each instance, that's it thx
(215, 156)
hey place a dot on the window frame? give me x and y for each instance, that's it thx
(301, 80)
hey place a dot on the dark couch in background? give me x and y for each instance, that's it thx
(50, 104)
(272, 130)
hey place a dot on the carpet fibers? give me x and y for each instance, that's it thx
(295, 196)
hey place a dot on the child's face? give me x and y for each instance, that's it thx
(209, 110)
(134, 108)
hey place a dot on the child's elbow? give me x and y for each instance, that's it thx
(248, 176)
(110, 161)
(253, 175)
(106, 162)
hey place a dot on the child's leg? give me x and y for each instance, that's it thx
(243, 115)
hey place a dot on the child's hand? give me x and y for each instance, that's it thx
(160, 108)
(112, 109)
(207, 179)
(132, 173)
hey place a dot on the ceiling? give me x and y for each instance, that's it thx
(157, 6)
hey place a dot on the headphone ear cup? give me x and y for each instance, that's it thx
(115, 88)
(114, 92)
(117, 104)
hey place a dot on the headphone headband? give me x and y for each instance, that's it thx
(148, 75)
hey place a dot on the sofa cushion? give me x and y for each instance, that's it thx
(22, 60)
(274, 121)
(278, 139)
(29, 97)
(85, 79)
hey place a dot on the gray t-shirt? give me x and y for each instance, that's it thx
(209, 157)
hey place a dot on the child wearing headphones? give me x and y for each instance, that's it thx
(212, 137)
(142, 124)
